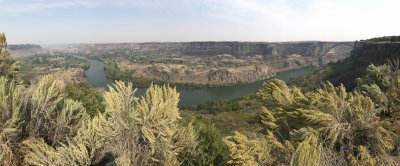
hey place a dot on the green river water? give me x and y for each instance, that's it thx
(189, 96)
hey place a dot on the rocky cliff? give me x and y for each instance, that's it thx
(229, 76)
(375, 51)
(367, 52)
(281, 55)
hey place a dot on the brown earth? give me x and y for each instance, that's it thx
(70, 75)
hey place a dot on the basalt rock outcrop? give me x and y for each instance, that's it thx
(220, 75)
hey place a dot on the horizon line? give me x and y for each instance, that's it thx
(194, 41)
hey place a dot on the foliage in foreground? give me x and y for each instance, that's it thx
(54, 130)
(41, 125)
(328, 126)
(211, 149)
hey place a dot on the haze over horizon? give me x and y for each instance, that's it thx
(101, 21)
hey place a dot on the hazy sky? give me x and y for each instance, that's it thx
(98, 21)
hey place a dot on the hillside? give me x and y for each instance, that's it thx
(37, 62)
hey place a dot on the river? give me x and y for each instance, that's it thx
(189, 96)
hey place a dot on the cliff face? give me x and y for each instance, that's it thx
(377, 51)
(226, 76)
(281, 55)
(291, 55)
(364, 54)
(240, 49)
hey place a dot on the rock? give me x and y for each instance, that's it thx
(220, 75)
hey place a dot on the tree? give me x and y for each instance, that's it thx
(212, 150)
(90, 98)
(51, 115)
(266, 150)
(131, 131)
(8, 66)
(363, 158)
(248, 152)
(12, 111)
(329, 116)
(382, 84)
(308, 152)
(38, 152)
(145, 129)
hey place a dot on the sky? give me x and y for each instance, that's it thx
(108, 21)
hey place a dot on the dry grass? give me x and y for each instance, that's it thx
(71, 75)
(228, 122)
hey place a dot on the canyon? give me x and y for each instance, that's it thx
(212, 63)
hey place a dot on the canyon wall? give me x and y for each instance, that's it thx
(377, 51)
(365, 53)
(280, 55)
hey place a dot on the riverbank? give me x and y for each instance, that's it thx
(113, 72)
(191, 96)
